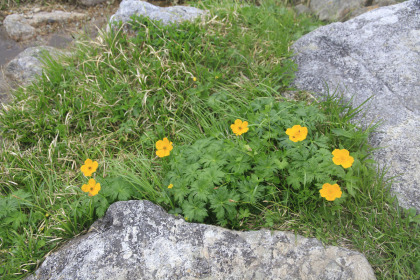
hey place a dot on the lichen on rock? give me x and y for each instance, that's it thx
(139, 240)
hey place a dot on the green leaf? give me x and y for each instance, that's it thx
(294, 179)
(223, 202)
(280, 164)
(213, 160)
(101, 207)
(251, 192)
(201, 189)
(244, 213)
(194, 209)
(213, 174)
(16, 219)
(239, 164)
(117, 189)
(180, 191)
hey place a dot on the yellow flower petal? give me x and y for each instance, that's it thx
(343, 158)
(170, 186)
(348, 162)
(85, 188)
(159, 144)
(95, 190)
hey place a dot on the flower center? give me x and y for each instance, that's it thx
(91, 188)
(240, 127)
(164, 148)
(90, 167)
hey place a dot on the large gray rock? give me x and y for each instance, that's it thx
(166, 15)
(376, 54)
(27, 65)
(139, 240)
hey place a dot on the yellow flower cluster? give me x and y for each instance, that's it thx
(88, 169)
(296, 133)
(340, 157)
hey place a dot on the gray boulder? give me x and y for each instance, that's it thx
(18, 28)
(376, 54)
(60, 17)
(166, 15)
(27, 65)
(139, 240)
(23, 27)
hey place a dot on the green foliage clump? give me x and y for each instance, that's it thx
(225, 180)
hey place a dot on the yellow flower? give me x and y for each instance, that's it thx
(164, 147)
(343, 158)
(170, 186)
(297, 133)
(239, 127)
(194, 79)
(217, 77)
(330, 192)
(89, 167)
(91, 187)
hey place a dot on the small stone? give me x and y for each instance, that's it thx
(302, 9)
(18, 28)
(36, 10)
(25, 67)
(60, 17)
(91, 2)
(166, 15)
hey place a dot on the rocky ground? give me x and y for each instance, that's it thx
(54, 33)
(49, 24)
